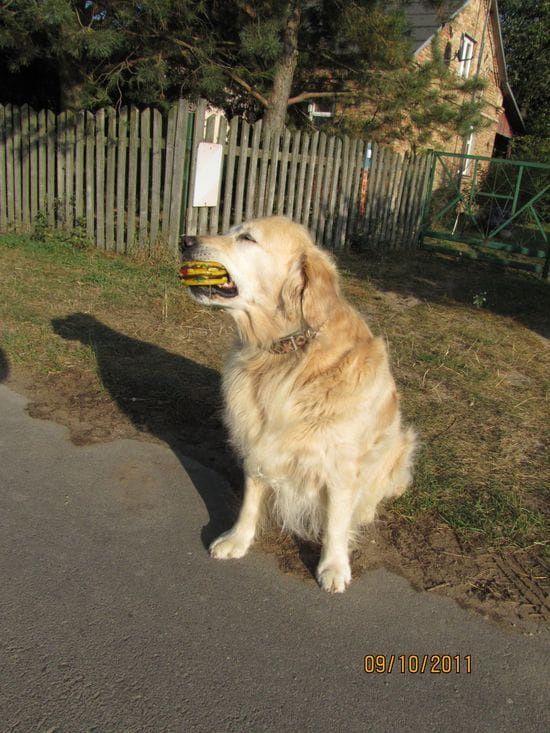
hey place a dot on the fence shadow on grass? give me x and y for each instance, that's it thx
(169, 396)
(448, 280)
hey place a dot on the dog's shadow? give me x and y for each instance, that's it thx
(171, 397)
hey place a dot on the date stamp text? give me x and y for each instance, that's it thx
(418, 663)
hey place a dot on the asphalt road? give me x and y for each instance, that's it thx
(114, 618)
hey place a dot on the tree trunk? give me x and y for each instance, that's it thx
(275, 116)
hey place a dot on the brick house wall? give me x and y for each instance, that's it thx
(477, 20)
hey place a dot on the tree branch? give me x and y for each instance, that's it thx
(313, 95)
(246, 86)
(248, 9)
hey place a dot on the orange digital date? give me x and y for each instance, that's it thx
(417, 664)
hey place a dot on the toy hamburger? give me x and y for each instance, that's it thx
(212, 275)
(203, 273)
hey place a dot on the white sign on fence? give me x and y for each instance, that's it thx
(208, 174)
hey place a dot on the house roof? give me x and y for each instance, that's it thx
(425, 20)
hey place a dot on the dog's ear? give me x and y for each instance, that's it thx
(291, 292)
(321, 291)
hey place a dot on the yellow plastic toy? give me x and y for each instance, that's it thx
(203, 273)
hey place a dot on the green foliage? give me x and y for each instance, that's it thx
(537, 149)
(261, 42)
(414, 104)
(526, 35)
(110, 52)
(76, 238)
(531, 147)
(474, 84)
(40, 226)
(480, 299)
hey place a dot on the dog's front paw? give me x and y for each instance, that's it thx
(334, 575)
(229, 545)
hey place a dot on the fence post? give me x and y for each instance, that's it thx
(168, 166)
(90, 198)
(241, 171)
(25, 167)
(252, 171)
(273, 171)
(221, 140)
(318, 183)
(69, 169)
(10, 185)
(178, 172)
(303, 162)
(204, 211)
(122, 146)
(133, 145)
(356, 188)
(283, 170)
(348, 193)
(110, 180)
(198, 133)
(79, 167)
(3, 190)
(229, 173)
(50, 166)
(100, 177)
(16, 121)
(266, 140)
(156, 168)
(33, 141)
(432, 159)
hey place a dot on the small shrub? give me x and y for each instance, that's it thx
(79, 237)
(480, 299)
(40, 227)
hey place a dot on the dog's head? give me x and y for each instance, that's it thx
(278, 280)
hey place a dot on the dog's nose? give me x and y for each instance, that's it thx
(187, 241)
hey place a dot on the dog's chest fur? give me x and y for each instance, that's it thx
(271, 422)
(273, 427)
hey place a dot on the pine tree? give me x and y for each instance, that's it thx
(415, 104)
(258, 57)
(293, 51)
(107, 52)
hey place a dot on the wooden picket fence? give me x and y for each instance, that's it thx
(125, 178)
(116, 174)
(397, 189)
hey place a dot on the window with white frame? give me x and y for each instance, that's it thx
(468, 150)
(465, 56)
(320, 109)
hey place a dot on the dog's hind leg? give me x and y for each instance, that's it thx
(236, 541)
(334, 571)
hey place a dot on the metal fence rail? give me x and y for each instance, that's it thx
(500, 208)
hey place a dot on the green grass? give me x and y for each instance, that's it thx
(45, 279)
(474, 380)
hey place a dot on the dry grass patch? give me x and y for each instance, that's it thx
(475, 383)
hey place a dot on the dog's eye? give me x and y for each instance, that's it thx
(246, 237)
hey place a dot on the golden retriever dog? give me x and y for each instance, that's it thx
(310, 404)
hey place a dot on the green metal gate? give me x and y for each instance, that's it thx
(493, 208)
